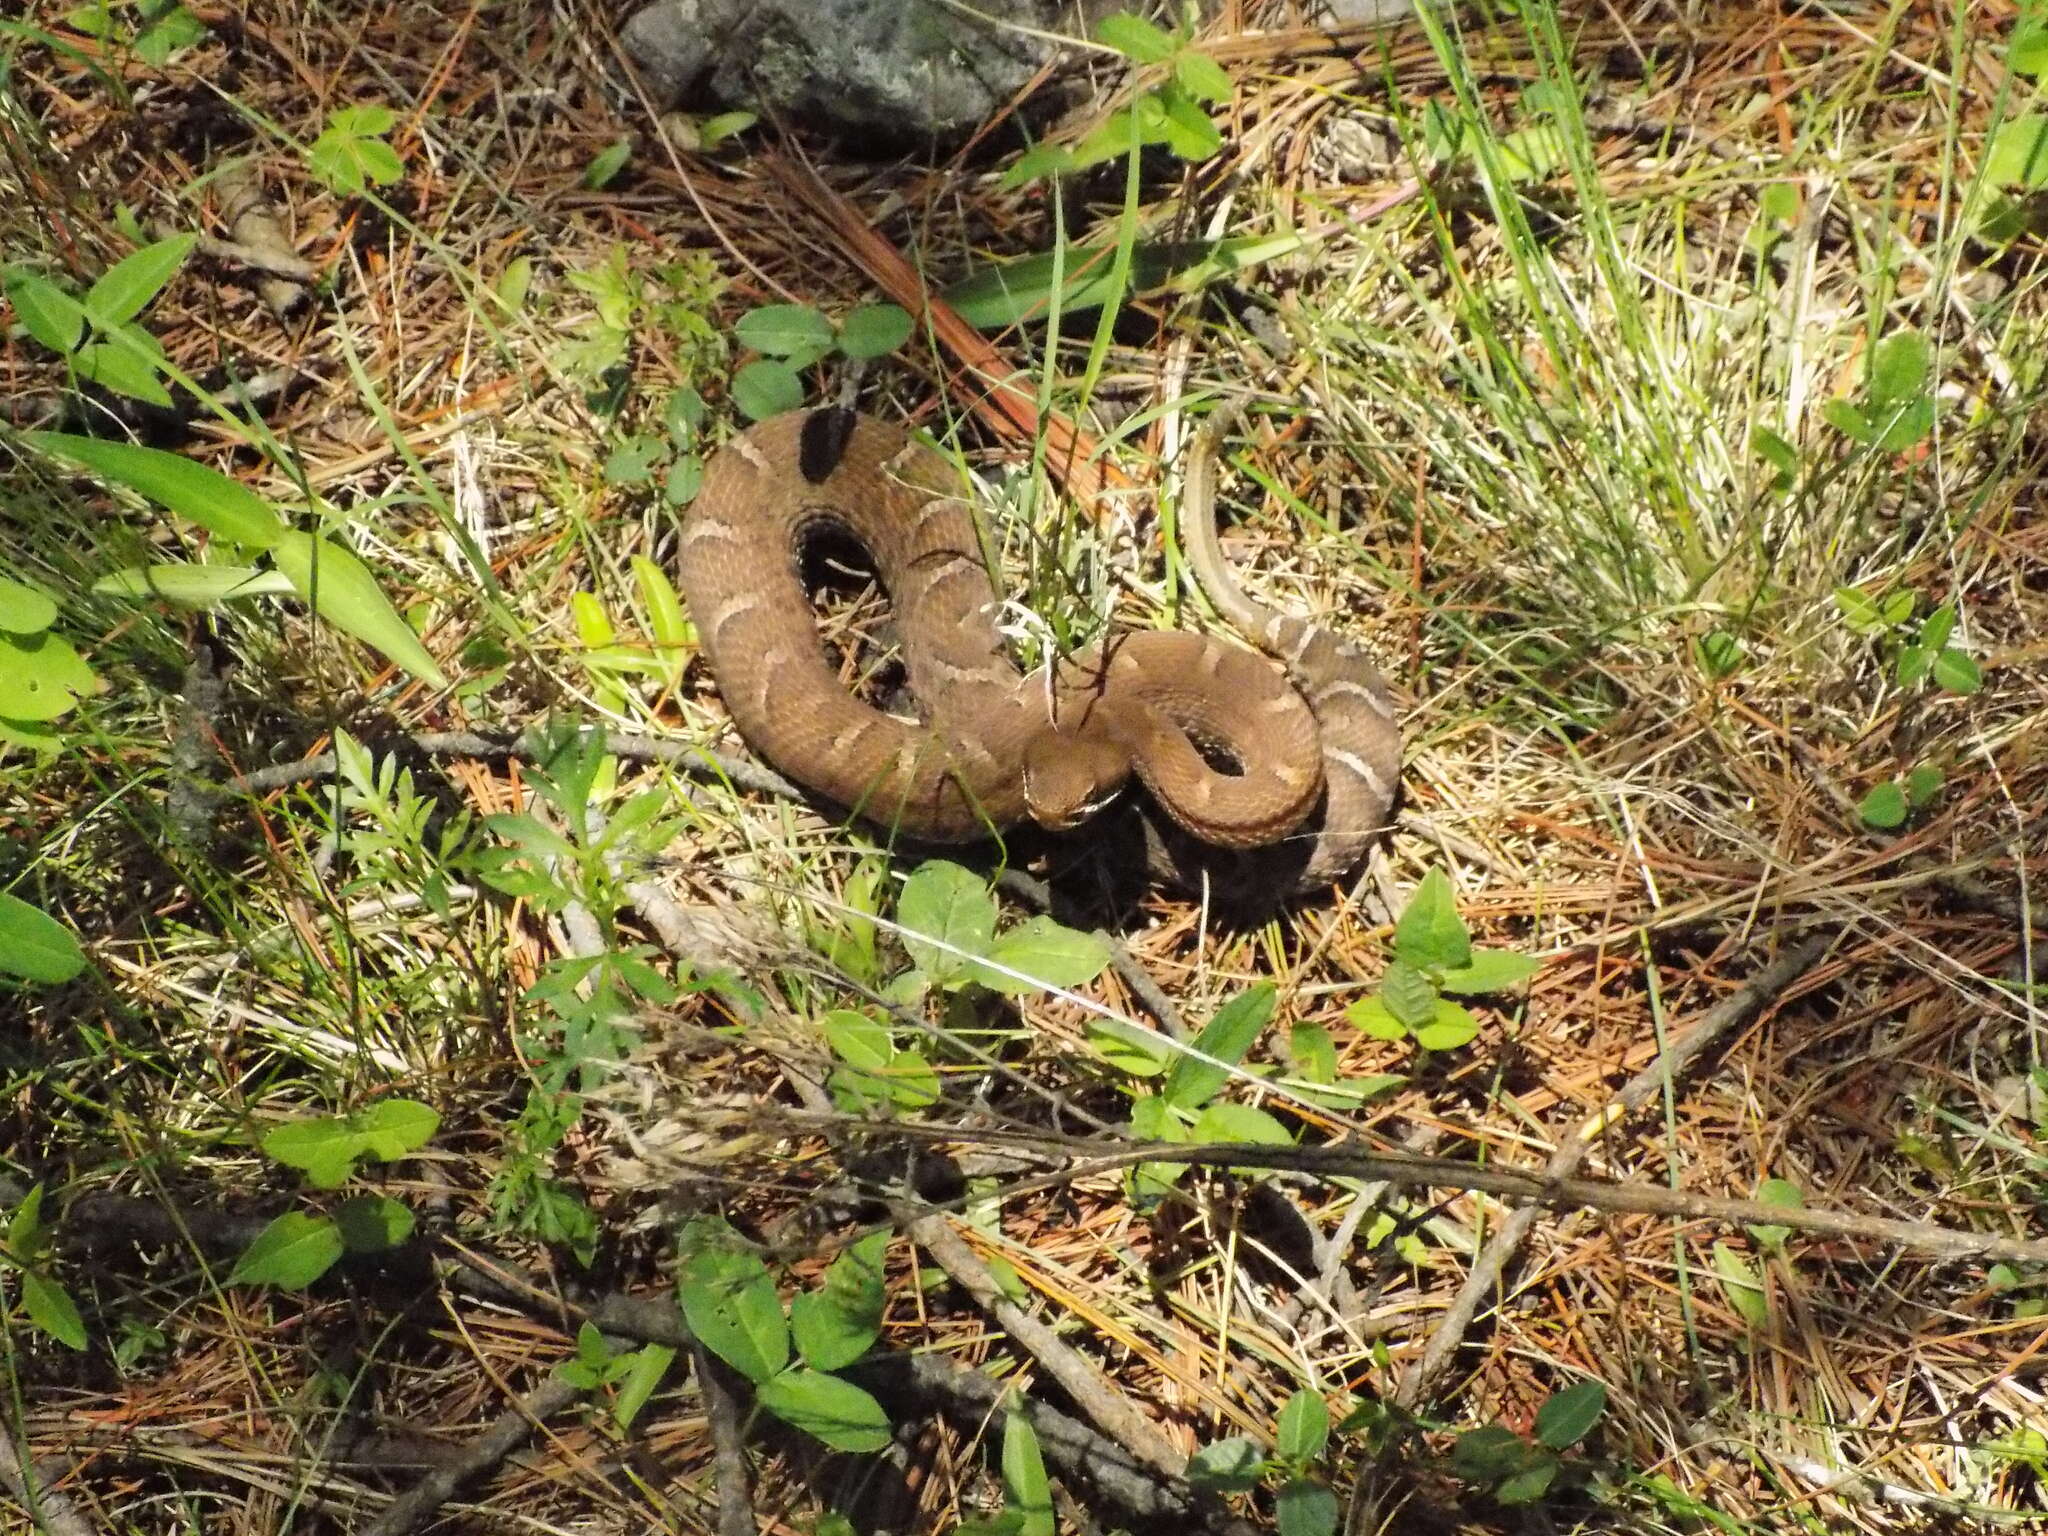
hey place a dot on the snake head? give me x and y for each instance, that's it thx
(1068, 777)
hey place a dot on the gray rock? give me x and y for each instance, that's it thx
(894, 69)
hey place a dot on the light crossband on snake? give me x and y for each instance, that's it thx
(1240, 750)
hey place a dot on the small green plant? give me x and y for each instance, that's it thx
(1452, 136)
(1897, 409)
(1027, 1491)
(47, 1305)
(949, 925)
(1517, 1471)
(627, 1377)
(154, 29)
(673, 300)
(1185, 1110)
(1742, 1281)
(1170, 114)
(1918, 654)
(1303, 1504)
(351, 154)
(670, 640)
(2013, 179)
(298, 1247)
(97, 335)
(390, 831)
(674, 455)
(791, 337)
(1433, 955)
(312, 566)
(42, 676)
(730, 1302)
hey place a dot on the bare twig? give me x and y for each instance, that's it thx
(511, 1430)
(1112, 1412)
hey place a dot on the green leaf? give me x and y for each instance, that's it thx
(224, 507)
(645, 1367)
(2018, 153)
(372, 1223)
(1529, 1484)
(1047, 954)
(875, 330)
(345, 594)
(1567, 1417)
(1776, 452)
(1136, 38)
(41, 676)
(730, 1304)
(715, 130)
(315, 1143)
(25, 1235)
(1452, 1027)
(835, 1411)
(1899, 366)
(1847, 420)
(1041, 160)
(1742, 1285)
(1957, 671)
(1430, 935)
(1240, 1123)
(1905, 424)
(1782, 1193)
(1190, 1082)
(1234, 1465)
(1025, 1485)
(1303, 1428)
(1923, 783)
(1304, 1508)
(1370, 1016)
(1314, 1052)
(193, 586)
(1489, 970)
(1939, 626)
(126, 288)
(781, 330)
(50, 1308)
(1858, 609)
(948, 920)
(2026, 52)
(24, 610)
(1779, 201)
(1897, 607)
(1912, 665)
(1533, 153)
(34, 945)
(836, 1324)
(1186, 129)
(394, 1128)
(1201, 76)
(1884, 807)
(667, 624)
(291, 1253)
(52, 316)
(1129, 1048)
(765, 389)
(1718, 654)
(606, 164)
(1409, 995)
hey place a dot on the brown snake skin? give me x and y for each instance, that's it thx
(995, 747)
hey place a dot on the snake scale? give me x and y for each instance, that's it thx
(1241, 752)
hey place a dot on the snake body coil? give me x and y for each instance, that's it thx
(993, 747)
